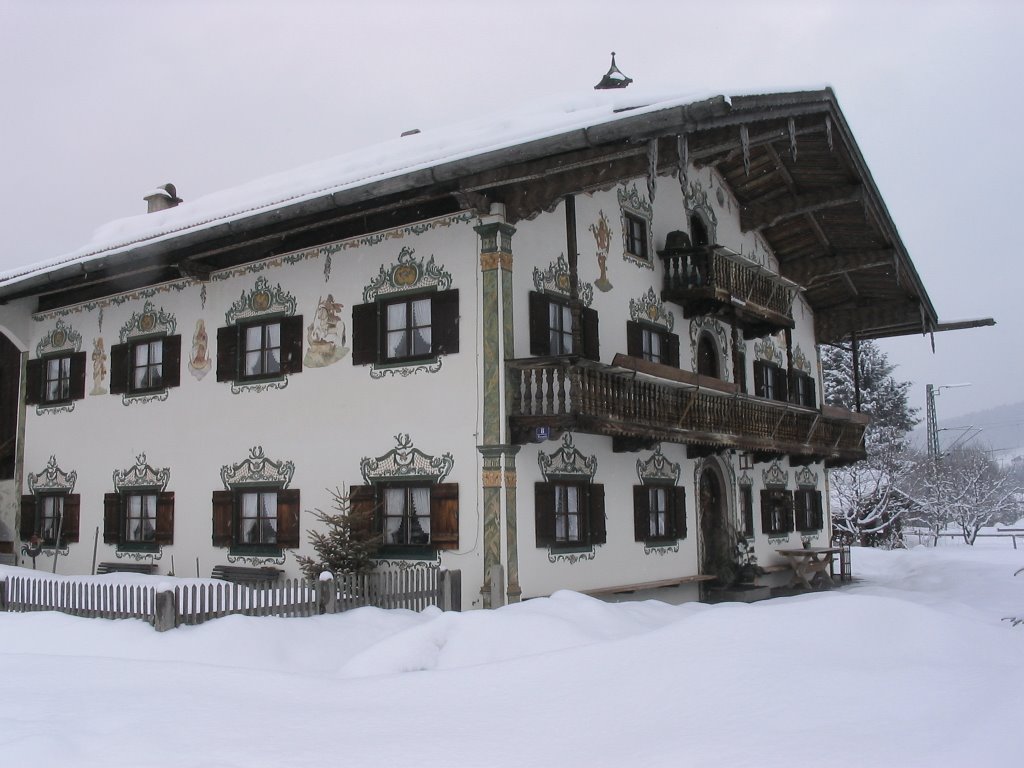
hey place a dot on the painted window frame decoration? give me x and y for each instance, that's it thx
(649, 318)
(802, 386)
(659, 476)
(256, 474)
(776, 504)
(696, 204)
(709, 327)
(150, 329)
(551, 295)
(808, 513)
(636, 211)
(406, 281)
(569, 474)
(52, 483)
(260, 307)
(139, 481)
(407, 472)
(771, 380)
(63, 346)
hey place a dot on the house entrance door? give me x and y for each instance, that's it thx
(716, 554)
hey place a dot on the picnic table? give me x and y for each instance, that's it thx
(809, 564)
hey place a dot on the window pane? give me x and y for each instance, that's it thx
(253, 337)
(141, 354)
(272, 361)
(420, 516)
(421, 341)
(397, 344)
(253, 362)
(421, 312)
(396, 316)
(273, 335)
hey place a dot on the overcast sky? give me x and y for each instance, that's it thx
(104, 100)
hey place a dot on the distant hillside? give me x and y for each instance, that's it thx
(1002, 429)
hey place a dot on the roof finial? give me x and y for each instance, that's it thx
(613, 78)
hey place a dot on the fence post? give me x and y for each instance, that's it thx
(450, 587)
(3, 595)
(497, 586)
(165, 612)
(326, 593)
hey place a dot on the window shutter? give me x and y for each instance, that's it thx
(671, 344)
(288, 518)
(111, 518)
(27, 526)
(364, 334)
(77, 371)
(787, 514)
(800, 509)
(227, 354)
(72, 505)
(817, 519)
(444, 516)
(444, 323)
(759, 380)
(811, 401)
(362, 510)
(641, 513)
(291, 344)
(781, 384)
(679, 511)
(544, 513)
(164, 517)
(766, 511)
(598, 527)
(634, 339)
(540, 339)
(120, 357)
(223, 514)
(33, 382)
(172, 361)
(591, 340)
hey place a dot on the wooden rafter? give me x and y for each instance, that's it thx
(761, 215)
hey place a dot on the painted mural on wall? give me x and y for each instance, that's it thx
(62, 338)
(800, 361)
(699, 325)
(657, 468)
(325, 344)
(603, 236)
(632, 203)
(406, 461)
(99, 367)
(199, 361)
(257, 470)
(138, 477)
(52, 480)
(555, 279)
(150, 321)
(263, 300)
(697, 203)
(649, 308)
(766, 349)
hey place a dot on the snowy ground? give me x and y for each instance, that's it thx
(911, 666)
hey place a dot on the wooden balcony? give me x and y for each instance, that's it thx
(714, 280)
(639, 403)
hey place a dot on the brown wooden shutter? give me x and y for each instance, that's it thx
(817, 516)
(759, 381)
(641, 513)
(444, 314)
(77, 388)
(72, 508)
(598, 526)
(678, 496)
(111, 518)
(27, 525)
(544, 513)
(223, 517)
(288, 518)
(766, 511)
(671, 349)
(364, 334)
(787, 514)
(34, 382)
(164, 533)
(363, 510)
(227, 354)
(444, 516)
(120, 368)
(591, 338)
(540, 336)
(634, 339)
(800, 509)
(172, 361)
(291, 344)
(781, 384)
(811, 398)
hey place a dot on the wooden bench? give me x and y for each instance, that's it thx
(628, 588)
(146, 568)
(239, 574)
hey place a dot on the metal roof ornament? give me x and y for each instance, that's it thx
(613, 78)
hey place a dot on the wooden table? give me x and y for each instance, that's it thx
(808, 564)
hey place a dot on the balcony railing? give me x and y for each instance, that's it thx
(626, 401)
(712, 279)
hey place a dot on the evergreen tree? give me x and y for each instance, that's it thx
(347, 545)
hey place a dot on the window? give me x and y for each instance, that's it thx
(698, 231)
(636, 236)
(551, 327)
(145, 365)
(747, 510)
(406, 329)
(707, 356)
(770, 381)
(807, 509)
(55, 379)
(652, 343)
(659, 513)
(138, 520)
(410, 517)
(569, 514)
(801, 389)
(266, 350)
(741, 371)
(256, 518)
(776, 511)
(44, 514)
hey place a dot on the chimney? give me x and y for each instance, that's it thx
(162, 198)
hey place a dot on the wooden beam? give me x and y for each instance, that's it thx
(761, 215)
(729, 150)
(805, 270)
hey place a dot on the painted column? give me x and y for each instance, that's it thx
(495, 247)
(511, 524)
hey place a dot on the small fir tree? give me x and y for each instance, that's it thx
(348, 543)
